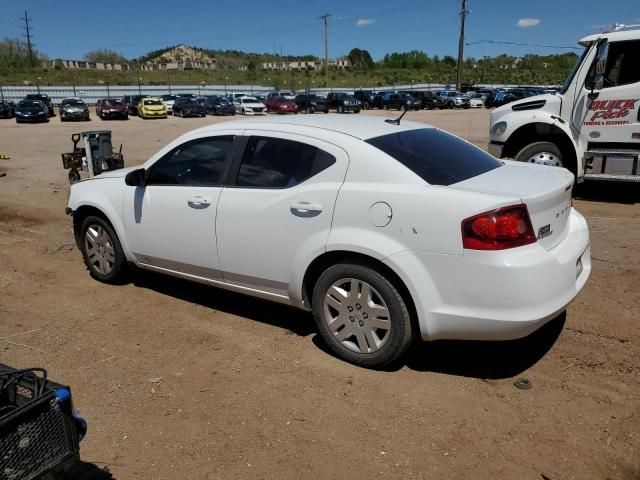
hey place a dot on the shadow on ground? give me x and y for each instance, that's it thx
(88, 471)
(270, 313)
(610, 192)
(493, 360)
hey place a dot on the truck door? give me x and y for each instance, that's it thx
(612, 117)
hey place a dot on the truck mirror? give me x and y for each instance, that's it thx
(601, 56)
(598, 82)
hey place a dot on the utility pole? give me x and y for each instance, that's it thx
(30, 45)
(325, 17)
(463, 13)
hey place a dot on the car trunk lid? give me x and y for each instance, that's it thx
(546, 191)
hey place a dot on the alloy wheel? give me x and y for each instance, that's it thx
(357, 315)
(100, 251)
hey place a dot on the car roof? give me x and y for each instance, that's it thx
(361, 127)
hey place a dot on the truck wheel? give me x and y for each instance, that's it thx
(541, 153)
(361, 315)
(74, 176)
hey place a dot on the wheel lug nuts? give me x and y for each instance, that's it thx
(351, 319)
(350, 308)
(361, 323)
(364, 315)
(357, 306)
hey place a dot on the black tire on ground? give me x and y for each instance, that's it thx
(74, 176)
(400, 333)
(540, 147)
(119, 264)
(450, 105)
(340, 109)
(309, 109)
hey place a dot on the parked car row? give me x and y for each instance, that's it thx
(39, 107)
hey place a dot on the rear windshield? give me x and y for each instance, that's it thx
(437, 157)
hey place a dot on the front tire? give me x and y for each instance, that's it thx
(101, 250)
(541, 153)
(361, 315)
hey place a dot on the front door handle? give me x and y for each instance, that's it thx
(199, 202)
(306, 207)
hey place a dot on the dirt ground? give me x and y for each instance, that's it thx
(181, 381)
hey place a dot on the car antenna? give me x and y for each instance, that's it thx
(397, 120)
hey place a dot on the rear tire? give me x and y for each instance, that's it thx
(101, 250)
(368, 324)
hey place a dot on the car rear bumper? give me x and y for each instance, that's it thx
(497, 295)
(495, 148)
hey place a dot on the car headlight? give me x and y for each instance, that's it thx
(499, 128)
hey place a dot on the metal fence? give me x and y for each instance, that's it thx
(90, 94)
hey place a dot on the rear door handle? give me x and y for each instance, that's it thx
(199, 202)
(306, 207)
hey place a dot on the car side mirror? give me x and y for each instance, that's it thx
(136, 178)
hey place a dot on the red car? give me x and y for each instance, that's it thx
(111, 108)
(281, 105)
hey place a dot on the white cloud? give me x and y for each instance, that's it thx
(528, 22)
(365, 21)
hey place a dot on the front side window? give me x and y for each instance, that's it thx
(199, 162)
(623, 65)
(278, 163)
(437, 157)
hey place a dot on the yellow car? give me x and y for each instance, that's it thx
(152, 107)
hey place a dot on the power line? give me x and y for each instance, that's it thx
(325, 17)
(30, 44)
(463, 14)
(497, 42)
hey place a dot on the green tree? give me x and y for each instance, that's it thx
(360, 59)
(104, 56)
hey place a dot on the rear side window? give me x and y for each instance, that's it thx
(437, 157)
(278, 163)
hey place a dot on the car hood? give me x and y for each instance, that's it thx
(120, 173)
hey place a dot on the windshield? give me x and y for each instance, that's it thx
(576, 67)
(168, 97)
(437, 157)
(29, 104)
(152, 102)
(113, 103)
(75, 103)
(248, 100)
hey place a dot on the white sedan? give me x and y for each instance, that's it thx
(249, 106)
(385, 231)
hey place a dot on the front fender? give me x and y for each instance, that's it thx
(109, 202)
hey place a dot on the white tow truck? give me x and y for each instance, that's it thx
(591, 126)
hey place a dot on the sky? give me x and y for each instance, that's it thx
(292, 27)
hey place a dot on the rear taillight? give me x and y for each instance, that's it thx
(506, 227)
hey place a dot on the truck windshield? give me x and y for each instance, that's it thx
(576, 67)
